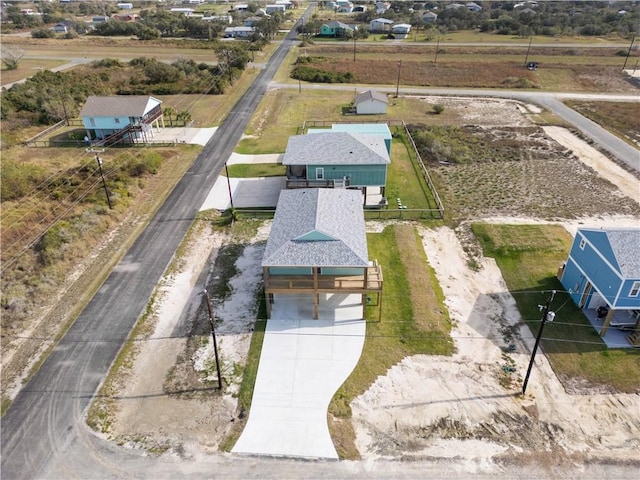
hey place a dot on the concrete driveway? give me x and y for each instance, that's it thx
(246, 192)
(302, 364)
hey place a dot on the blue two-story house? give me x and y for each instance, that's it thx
(121, 119)
(602, 273)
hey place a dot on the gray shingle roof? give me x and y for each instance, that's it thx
(626, 247)
(371, 95)
(119, 106)
(336, 148)
(335, 215)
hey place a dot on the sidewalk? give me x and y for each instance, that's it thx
(302, 364)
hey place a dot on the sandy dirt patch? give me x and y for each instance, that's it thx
(626, 183)
(467, 405)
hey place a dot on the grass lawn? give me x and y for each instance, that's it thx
(414, 320)
(529, 256)
(252, 170)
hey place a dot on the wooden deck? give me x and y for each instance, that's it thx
(371, 281)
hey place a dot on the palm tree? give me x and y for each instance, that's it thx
(169, 112)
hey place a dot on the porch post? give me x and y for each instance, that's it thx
(607, 321)
(316, 295)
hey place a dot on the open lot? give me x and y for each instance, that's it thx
(560, 69)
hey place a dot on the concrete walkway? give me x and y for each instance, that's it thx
(302, 364)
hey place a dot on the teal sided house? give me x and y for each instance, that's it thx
(602, 274)
(318, 246)
(333, 159)
(335, 29)
(121, 119)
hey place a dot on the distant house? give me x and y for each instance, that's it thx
(429, 17)
(228, 19)
(127, 17)
(334, 159)
(60, 28)
(241, 7)
(371, 102)
(239, 32)
(335, 29)
(401, 29)
(121, 119)
(473, 7)
(125, 6)
(275, 8)
(250, 21)
(602, 272)
(382, 7)
(187, 12)
(317, 247)
(380, 25)
(100, 19)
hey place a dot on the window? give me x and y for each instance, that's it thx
(117, 120)
(92, 122)
(635, 289)
(583, 242)
(319, 173)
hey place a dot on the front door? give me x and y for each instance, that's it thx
(585, 295)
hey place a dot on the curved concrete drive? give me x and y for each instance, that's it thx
(302, 364)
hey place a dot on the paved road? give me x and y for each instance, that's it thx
(44, 426)
(552, 101)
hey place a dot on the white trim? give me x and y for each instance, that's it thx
(319, 173)
(635, 286)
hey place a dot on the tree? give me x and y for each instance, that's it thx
(169, 112)
(184, 116)
(11, 56)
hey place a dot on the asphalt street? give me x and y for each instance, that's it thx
(43, 424)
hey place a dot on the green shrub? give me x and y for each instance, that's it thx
(438, 108)
(18, 179)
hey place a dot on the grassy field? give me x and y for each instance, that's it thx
(561, 69)
(621, 118)
(26, 68)
(414, 320)
(528, 257)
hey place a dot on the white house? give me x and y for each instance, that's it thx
(474, 7)
(371, 103)
(401, 29)
(238, 32)
(275, 9)
(125, 6)
(380, 25)
(187, 12)
(228, 19)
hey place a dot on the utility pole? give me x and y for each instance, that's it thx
(398, 82)
(226, 169)
(213, 335)
(526, 58)
(104, 183)
(628, 52)
(435, 60)
(354, 46)
(547, 317)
